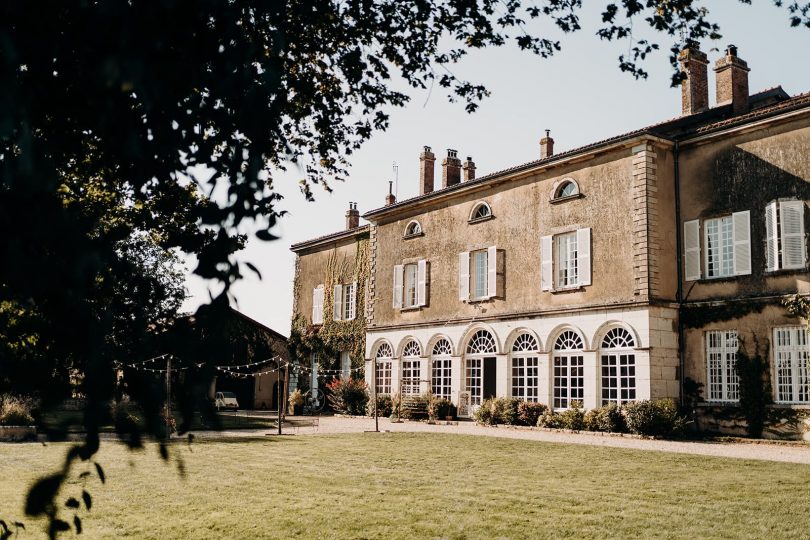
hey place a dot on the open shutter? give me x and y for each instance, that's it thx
(546, 258)
(584, 256)
(492, 271)
(337, 302)
(741, 231)
(691, 248)
(791, 214)
(771, 239)
(398, 274)
(464, 276)
(317, 305)
(421, 287)
(353, 302)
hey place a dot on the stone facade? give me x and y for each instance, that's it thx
(589, 256)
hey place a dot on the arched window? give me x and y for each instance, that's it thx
(411, 364)
(618, 364)
(564, 189)
(441, 376)
(481, 343)
(382, 378)
(569, 370)
(525, 368)
(413, 229)
(480, 211)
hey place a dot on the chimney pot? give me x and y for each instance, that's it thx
(546, 146)
(426, 162)
(390, 198)
(469, 169)
(352, 216)
(451, 169)
(731, 75)
(695, 85)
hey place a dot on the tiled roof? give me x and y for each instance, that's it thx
(329, 238)
(767, 103)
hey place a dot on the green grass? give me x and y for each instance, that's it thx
(418, 485)
(71, 421)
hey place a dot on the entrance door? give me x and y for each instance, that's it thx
(489, 377)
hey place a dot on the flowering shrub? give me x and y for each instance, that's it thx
(348, 396)
(15, 411)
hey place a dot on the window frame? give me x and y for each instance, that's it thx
(410, 233)
(407, 301)
(550, 260)
(475, 209)
(384, 364)
(568, 359)
(725, 250)
(617, 367)
(793, 366)
(777, 239)
(727, 388)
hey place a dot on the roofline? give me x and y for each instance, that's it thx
(572, 156)
(257, 323)
(329, 238)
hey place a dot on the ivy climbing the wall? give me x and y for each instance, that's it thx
(754, 389)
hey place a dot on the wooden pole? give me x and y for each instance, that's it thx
(168, 396)
(374, 380)
(278, 394)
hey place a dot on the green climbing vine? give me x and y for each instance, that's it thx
(752, 371)
(331, 337)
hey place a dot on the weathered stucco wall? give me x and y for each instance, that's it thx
(745, 172)
(522, 215)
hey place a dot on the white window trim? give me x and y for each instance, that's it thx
(466, 275)
(421, 282)
(475, 208)
(695, 244)
(729, 382)
(341, 310)
(317, 305)
(797, 366)
(778, 236)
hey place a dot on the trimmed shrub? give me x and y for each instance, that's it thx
(550, 419)
(348, 396)
(528, 413)
(483, 414)
(574, 417)
(384, 406)
(506, 411)
(608, 418)
(415, 407)
(15, 411)
(442, 408)
(656, 418)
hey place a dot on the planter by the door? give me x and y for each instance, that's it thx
(17, 433)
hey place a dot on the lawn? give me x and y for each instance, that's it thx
(72, 421)
(416, 486)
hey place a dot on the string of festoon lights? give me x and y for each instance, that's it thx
(233, 370)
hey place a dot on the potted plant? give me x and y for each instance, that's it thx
(297, 402)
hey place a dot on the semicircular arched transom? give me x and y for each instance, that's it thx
(442, 348)
(569, 341)
(411, 349)
(618, 338)
(481, 342)
(525, 343)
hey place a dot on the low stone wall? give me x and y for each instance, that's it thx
(18, 433)
(783, 423)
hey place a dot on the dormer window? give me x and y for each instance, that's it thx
(564, 190)
(413, 229)
(480, 212)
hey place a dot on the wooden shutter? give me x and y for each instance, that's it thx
(741, 232)
(492, 271)
(352, 302)
(584, 256)
(791, 219)
(337, 302)
(399, 271)
(421, 288)
(691, 248)
(546, 258)
(317, 305)
(771, 238)
(464, 275)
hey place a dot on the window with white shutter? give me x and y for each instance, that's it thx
(350, 301)
(741, 229)
(410, 287)
(565, 260)
(771, 238)
(317, 305)
(492, 272)
(791, 222)
(464, 276)
(337, 302)
(422, 281)
(399, 271)
(546, 264)
(584, 256)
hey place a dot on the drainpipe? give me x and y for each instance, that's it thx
(679, 258)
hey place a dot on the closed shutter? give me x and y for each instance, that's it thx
(791, 218)
(398, 274)
(691, 248)
(741, 230)
(492, 271)
(546, 258)
(317, 305)
(771, 238)
(421, 288)
(337, 302)
(584, 256)
(352, 302)
(464, 276)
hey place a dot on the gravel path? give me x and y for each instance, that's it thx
(332, 425)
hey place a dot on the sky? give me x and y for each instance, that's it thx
(580, 95)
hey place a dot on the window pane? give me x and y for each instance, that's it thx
(409, 291)
(719, 247)
(566, 259)
(479, 274)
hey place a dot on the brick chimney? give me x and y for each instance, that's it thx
(352, 216)
(546, 145)
(390, 198)
(426, 162)
(695, 87)
(469, 170)
(731, 74)
(451, 169)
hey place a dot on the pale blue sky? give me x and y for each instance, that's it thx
(580, 95)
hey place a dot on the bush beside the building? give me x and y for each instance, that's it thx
(348, 396)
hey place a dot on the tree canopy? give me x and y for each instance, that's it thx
(131, 131)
